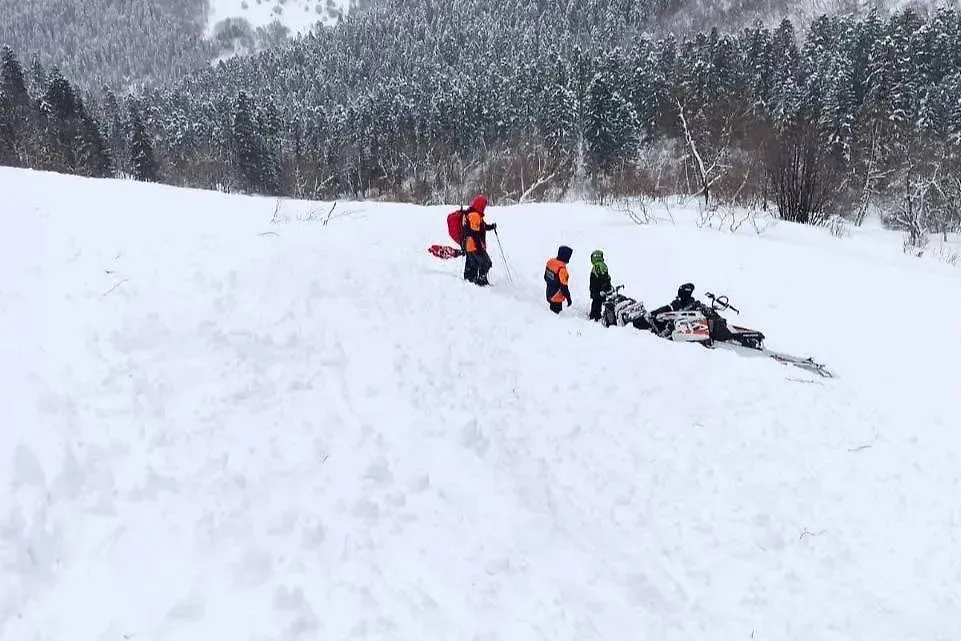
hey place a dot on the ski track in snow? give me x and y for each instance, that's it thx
(215, 427)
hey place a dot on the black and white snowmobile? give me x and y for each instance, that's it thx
(619, 309)
(704, 325)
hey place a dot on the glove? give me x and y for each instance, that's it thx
(493, 227)
(569, 302)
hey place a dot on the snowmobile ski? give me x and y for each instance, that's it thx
(808, 364)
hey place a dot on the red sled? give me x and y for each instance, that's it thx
(445, 252)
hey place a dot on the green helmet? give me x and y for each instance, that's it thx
(597, 256)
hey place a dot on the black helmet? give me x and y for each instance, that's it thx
(564, 253)
(685, 291)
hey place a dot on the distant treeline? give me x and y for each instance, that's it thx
(436, 102)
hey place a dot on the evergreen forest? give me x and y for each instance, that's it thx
(436, 101)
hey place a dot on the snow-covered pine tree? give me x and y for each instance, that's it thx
(142, 159)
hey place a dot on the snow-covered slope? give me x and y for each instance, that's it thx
(299, 16)
(218, 427)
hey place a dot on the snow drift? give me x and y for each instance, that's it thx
(216, 426)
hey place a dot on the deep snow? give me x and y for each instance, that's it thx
(216, 426)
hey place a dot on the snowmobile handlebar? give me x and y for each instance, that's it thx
(721, 303)
(613, 291)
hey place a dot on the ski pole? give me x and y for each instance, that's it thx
(507, 266)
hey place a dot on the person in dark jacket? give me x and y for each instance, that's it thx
(558, 279)
(600, 284)
(685, 302)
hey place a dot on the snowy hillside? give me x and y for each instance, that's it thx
(298, 16)
(216, 426)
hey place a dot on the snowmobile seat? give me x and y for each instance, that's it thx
(746, 337)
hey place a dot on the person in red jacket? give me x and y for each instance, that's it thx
(474, 242)
(558, 279)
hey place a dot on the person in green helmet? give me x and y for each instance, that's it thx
(600, 283)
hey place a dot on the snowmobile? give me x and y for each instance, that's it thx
(703, 325)
(619, 309)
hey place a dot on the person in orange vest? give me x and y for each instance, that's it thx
(478, 262)
(557, 279)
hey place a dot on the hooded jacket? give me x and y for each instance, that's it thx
(600, 277)
(557, 277)
(475, 227)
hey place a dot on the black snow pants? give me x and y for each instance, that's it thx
(596, 305)
(476, 267)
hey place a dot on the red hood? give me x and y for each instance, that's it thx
(479, 204)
